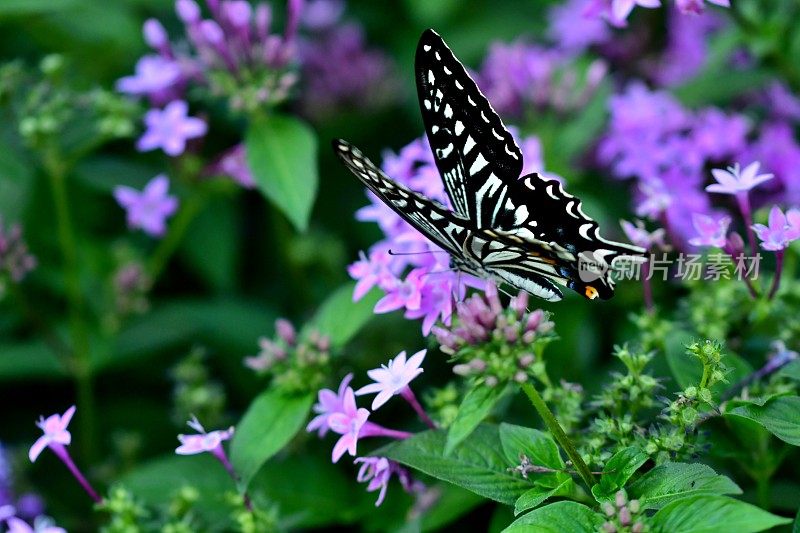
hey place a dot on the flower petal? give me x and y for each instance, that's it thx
(37, 448)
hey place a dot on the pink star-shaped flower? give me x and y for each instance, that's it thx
(735, 180)
(203, 441)
(391, 379)
(149, 209)
(780, 230)
(710, 231)
(55, 433)
(170, 128)
(639, 235)
(402, 293)
(376, 470)
(154, 74)
(348, 423)
(41, 525)
(328, 404)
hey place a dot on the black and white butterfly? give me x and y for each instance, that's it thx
(522, 230)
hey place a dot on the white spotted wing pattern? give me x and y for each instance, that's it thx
(522, 230)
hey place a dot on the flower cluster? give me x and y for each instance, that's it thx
(497, 345)
(232, 54)
(15, 259)
(665, 147)
(520, 77)
(23, 506)
(616, 12)
(426, 291)
(622, 516)
(338, 412)
(297, 363)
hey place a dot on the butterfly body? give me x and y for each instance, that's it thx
(522, 230)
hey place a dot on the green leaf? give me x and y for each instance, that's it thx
(35, 7)
(713, 514)
(269, 423)
(559, 517)
(478, 465)
(618, 471)
(29, 360)
(16, 184)
(537, 495)
(340, 318)
(780, 416)
(792, 370)
(282, 154)
(475, 406)
(157, 481)
(539, 446)
(211, 246)
(796, 525)
(671, 481)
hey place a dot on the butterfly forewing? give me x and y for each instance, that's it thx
(432, 219)
(473, 150)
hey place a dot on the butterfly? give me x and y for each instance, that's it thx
(525, 231)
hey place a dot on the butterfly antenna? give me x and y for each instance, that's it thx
(393, 253)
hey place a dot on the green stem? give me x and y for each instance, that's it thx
(177, 229)
(762, 492)
(81, 363)
(555, 429)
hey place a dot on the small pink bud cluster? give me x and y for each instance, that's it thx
(496, 344)
(622, 515)
(296, 363)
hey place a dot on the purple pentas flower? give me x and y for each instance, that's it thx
(735, 180)
(779, 232)
(686, 51)
(370, 271)
(148, 209)
(572, 29)
(348, 423)
(638, 235)
(781, 103)
(329, 402)
(40, 525)
(202, 441)
(56, 435)
(616, 12)
(340, 71)
(777, 149)
(156, 77)
(710, 231)
(696, 7)
(233, 163)
(377, 471)
(170, 128)
(392, 378)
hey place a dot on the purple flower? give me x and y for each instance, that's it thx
(778, 232)
(639, 236)
(322, 14)
(377, 471)
(149, 208)
(328, 403)
(736, 181)
(687, 47)
(156, 77)
(695, 7)
(41, 525)
(572, 30)
(781, 102)
(55, 435)
(710, 231)
(779, 152)
(616, 11)
(717, 136)
(340, 71)
(392, 378)
(370, 272)
(233, 163)
(170, 128)
(203, 441)
(402, 293)
(348, 423)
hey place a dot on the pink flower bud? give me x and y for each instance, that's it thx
(155, 35)
(286, 331)
(188, 11)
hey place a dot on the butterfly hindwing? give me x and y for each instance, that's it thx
(474, 152)
(432, 219)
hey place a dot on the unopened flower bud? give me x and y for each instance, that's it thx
(608, 509)
(479, 365)
(520, 376)
(608, 527)
(510, 333)
(155, 35)
(620, 499)
(533, 320)
(490, 381)
(638, 527)
(188, 11)
(462, 370)
(634, 506)
(528, 337)
(286, 331)
(624, 516)
(526, 360)
(546, 327)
